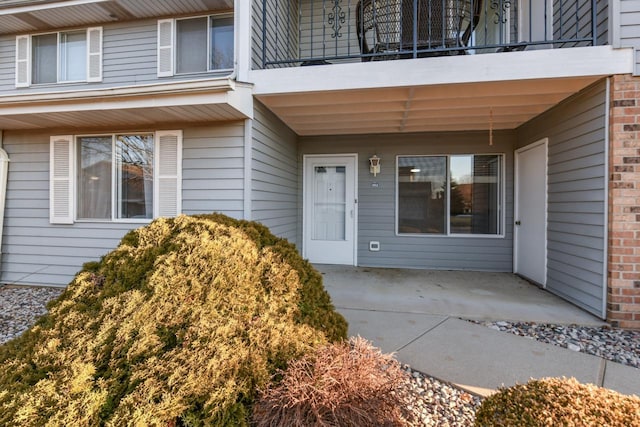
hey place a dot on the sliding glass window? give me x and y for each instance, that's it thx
(450, 195)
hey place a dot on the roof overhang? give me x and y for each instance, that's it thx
(199, 101)
(22, 16)
(470, 92)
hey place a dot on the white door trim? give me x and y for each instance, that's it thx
(305, 157)
(545, 142)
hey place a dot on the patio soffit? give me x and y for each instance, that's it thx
(459, 107)
(470, 92)
(22, 16)
(183, 102)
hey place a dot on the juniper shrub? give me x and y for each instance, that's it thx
(178, 326)
(558, 402)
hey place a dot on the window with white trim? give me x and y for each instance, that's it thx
(124, 176)
(62, 57)
(195, 45)
(449, 195)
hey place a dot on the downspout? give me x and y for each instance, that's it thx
(607, 141)
(4, 167)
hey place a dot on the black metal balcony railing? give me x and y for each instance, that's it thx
(296, 32)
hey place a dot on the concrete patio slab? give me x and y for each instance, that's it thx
(621, 378)
(467, 294)
(415, 314)
(387, 330)
(475, 357)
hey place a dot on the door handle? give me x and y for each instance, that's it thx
(517, 222)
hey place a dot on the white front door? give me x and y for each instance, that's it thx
(329, 209)
(530, 230)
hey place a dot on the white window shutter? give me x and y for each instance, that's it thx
(61, 180)
(94, 54)
(165, 47)
(167, 196)
(23, 50)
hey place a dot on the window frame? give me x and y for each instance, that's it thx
(115, 203)
(64, 176)
(447, 213)
(89, 78)
(59, 58)
(174, 41)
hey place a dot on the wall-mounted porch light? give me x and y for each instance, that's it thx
(374, 165)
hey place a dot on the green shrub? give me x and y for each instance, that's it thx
(177, 326)
(558, 402)
(348, 384)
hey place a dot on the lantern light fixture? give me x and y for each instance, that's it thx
(374, 165)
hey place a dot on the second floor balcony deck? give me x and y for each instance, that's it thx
(309, 32)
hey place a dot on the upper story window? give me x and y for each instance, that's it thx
(64, 57)
(195, 45)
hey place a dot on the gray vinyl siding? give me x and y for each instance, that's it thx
(35, 252)
(281, 30)
(377, 204)
(213, 169)
(629, 20)
(256, 35)
(576, 234)
(274, 174)
(129, 58)
(602, 20)
(574, 19)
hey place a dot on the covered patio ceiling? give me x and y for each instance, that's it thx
(20, 16)
(445, 107)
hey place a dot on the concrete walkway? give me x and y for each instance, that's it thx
(417, 313)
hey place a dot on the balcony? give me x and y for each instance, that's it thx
(311, 32)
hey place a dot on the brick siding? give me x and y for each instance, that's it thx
(623, 299)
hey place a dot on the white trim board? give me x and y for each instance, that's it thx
(526, 65)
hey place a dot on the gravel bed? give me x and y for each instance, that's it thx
(438, 404)
(616, 345)
(21, 306)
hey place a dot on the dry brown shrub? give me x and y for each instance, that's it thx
(344, 384)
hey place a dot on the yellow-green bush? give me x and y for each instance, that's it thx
(558, 402)
(180, 325)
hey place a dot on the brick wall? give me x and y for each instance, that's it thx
(623, 300)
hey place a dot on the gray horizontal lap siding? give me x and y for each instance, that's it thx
(36, 252)
(213, 165)
(629, 21)
(377, 205)
(274, 181)
(576, 235)
(575, 19)
(281, 31)
(128, 58)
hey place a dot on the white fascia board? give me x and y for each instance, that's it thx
(12, 10)
(224, 84)
(490, 67)
(238, 96)
(242, 99)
